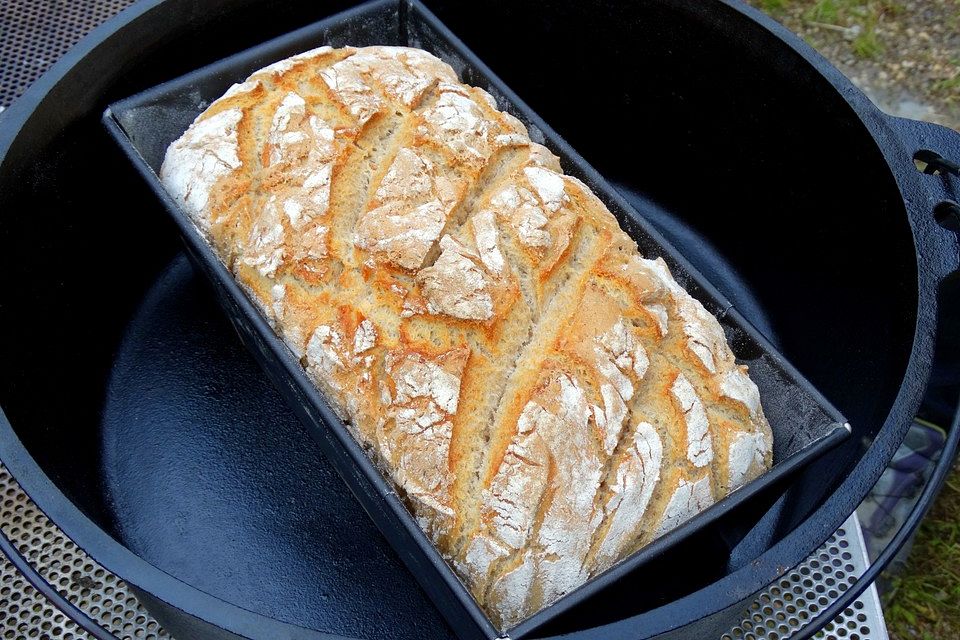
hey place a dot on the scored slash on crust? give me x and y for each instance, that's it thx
(545, 399)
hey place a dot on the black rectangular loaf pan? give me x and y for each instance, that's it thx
(804, 424)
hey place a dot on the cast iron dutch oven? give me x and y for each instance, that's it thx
(137, 423)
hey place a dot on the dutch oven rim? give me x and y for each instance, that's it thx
(937, 258)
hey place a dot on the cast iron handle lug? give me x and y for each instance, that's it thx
(929, 141)
(931, 192)
(936, 163)
(938, 147)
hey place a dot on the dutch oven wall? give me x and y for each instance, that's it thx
(758, 154)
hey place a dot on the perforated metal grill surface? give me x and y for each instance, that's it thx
(783, 609)
(35, 33)
(24, 613)
(789, 605)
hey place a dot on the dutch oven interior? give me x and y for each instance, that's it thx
(687, 107)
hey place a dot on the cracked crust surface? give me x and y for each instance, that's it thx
(546, 399)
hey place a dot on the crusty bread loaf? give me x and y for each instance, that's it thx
(546, 399)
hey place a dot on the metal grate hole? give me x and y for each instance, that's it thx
(36, 33)
(791, 604)
(24, 613)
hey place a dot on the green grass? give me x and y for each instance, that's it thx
(924, 601)
(867, 44)
(865, 14)
(953, 22)
(947, 85)
(827, 11)
(949, 88)
(773, 6)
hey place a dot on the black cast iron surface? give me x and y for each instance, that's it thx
(193, 430)
(210, 477)
(737, 128)
(804, 425)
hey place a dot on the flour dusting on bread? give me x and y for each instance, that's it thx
(545, 399)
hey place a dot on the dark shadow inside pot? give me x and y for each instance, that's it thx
(689, 107)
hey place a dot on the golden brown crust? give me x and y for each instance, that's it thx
(546, 400)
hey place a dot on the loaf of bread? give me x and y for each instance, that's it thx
(544, 398)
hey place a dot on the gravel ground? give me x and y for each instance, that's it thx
(904, 54)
